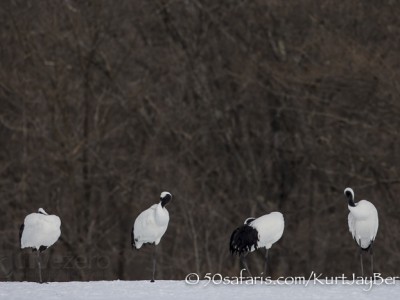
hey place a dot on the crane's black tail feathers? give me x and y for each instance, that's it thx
(243, 239)
(21, 230)
(132, 239)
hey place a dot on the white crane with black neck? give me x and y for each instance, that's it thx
(150, 226)
(363, 225)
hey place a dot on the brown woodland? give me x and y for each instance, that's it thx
(238, 108)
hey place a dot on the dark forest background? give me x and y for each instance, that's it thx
(238, 108)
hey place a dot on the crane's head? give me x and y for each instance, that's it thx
(348, 192)
(165, 197)
(41, 211)
(248, 221)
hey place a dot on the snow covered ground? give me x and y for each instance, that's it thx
(177, 290)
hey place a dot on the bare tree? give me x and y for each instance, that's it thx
(237, 108)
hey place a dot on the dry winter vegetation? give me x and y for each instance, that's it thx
(238, 108)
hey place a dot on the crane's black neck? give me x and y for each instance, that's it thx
(165, 200)
(350, 198)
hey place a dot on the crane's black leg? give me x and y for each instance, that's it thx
(361, 261)
(266, 259)
(372, 257)
(244, 263)
(40, 266)
(154, 263)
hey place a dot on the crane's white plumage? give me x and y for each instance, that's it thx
(40, 230)
(363, 223)
(262, 232)
(363, 220)
(270, 228)
(151, 224)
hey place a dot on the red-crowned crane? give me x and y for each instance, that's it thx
(39, 231)
(150, 226)
(262, 232)
(363, 225)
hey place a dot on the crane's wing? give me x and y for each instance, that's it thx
(375, 227)
(144, 224)
(352, 226)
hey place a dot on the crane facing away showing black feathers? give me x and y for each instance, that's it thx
(243, 239)
(262, 232)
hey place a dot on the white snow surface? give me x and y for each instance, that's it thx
(177, 290)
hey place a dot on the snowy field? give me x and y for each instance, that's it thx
(177, 290)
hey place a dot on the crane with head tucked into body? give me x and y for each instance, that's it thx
(363, 225)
